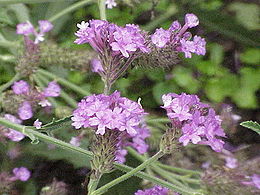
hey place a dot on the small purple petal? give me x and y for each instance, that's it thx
(53, 90)
(21, 87)
(191, 20)
(37, 124)
(21, 173)
(25, 28)
(25, 111)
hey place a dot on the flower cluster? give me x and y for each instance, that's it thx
(27, 29)
(22, 88)
(154, 190)
(105, 37)
(198, 121)
(180, 40)
(108, 112)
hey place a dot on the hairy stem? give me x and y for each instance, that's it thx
(124, 177)
(102, 9)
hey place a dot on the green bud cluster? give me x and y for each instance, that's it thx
(169, 141)
(104, 148)
(52, 54)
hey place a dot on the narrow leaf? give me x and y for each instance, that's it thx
(57, 124)
(255, 126)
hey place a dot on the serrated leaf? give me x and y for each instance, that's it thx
(57, 124)
(255, 126)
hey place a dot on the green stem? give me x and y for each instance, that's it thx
(102, 9)
(63, 94)
(29, 131)
(92, 185)
(157, 120)
(179, 170)
(156, 167)
(9, 83)
(129, 174)
(64, 82)
(69, 9)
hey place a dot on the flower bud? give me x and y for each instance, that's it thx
(169, 141)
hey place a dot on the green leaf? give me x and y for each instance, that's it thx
(183, 77)
(57, 124)
(216, 53)
(21, 12)
(247, 14)
(251, 56)
(255, 126)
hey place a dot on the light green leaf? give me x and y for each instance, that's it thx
(255, 126)
(247, 14)
(251, 56)
(21, 12)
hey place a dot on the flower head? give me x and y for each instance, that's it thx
(52, 90)
(191, 20)
(21, 173)
(27, 29)
(25, 111)
(161, 37)
(103, 112)
(198, 122)
(20, 87)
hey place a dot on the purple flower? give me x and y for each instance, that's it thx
(21, 173)
(156, 190)
(198, 122)
(25, 28)
(120, 155)
(191, 20)
(161, 37)
(52, 90)
(179, 39)
(110, 4)
(75, 141)
(25, 111)
(255, 181)
(104, 112)
(107, 37)
(13, 135)
(96, 65)
(200, 45)
(21, 87)
(231, 162)
(45, 26)
(37, 124)
(175, 26)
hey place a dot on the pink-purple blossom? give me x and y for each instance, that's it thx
(103, 112)
(106, 37)
(179, 39)
(254, 181)
(13, 135)
(96, 65)
(37, 124)
(21, 173)
(52, 90)
(156, 190)
(75, 141)
(198, 122)
(27, 29)
(25, 111)
(231, 162)
(21, 87)
(191, 20)
(161, 37)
